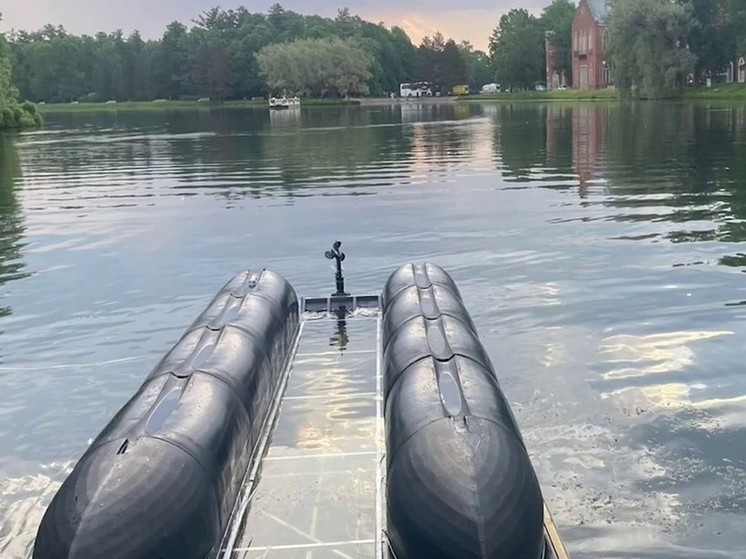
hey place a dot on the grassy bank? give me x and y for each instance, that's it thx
(722, 92)
(178, 105)
(719, 92)
(569, 95)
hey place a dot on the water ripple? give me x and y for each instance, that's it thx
(599, 248)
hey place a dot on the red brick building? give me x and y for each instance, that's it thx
(589, 67)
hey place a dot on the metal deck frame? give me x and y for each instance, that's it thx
(338, 309)
(340, 303)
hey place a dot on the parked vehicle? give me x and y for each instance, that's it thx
(460, 90)
(415, 89)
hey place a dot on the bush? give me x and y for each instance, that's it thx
(92, 97)
(20, 116)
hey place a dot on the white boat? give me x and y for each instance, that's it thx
(283, 102)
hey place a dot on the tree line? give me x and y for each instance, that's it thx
(653, 45)
(13, 113)
(517, 45)
(690, 41)
(236, 54)
(220, 56)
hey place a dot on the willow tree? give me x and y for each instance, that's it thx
(648, 47)
(330, 66)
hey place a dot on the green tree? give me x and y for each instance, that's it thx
(736, 16)
(517, 48)
(12, 113)
(429, 51)
(711, 37)
(647, 46)
(478, 65)
(406, 52)
(557, 18)
(442, 63)
(453, 65)
(326, 67)
(214, 57)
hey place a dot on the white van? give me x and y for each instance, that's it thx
(489, 88)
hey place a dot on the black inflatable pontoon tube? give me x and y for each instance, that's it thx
(460, 484)
(161, 480)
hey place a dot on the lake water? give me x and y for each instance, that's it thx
(599, 248)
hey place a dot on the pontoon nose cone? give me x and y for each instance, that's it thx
(162, 478)
(155, 504)
(460, 484)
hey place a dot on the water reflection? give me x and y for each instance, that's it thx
(340, 338)
(285, 119)
(11, 220)
(598, 247)
(519, 144)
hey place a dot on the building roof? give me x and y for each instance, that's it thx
(600, 10)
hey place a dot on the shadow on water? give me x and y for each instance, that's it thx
(11, 220)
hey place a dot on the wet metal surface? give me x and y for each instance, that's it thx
(316, 495)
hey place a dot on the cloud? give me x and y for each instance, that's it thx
(473, 20)
(474, 26)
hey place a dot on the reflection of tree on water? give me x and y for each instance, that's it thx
(689, 161)
(329, 147)
(552, 140)
(340, 338)
(520, 140)
(560, 134)
(415, 111)
(11, 221)
(334, 149)
(686, 160)
(687, 154)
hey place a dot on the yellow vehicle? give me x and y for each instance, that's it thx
(460, 90)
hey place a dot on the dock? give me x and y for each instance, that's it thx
(318, 491)
(346, 426)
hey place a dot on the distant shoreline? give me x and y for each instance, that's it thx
(720, 92)
(180, 105)
(379, 101)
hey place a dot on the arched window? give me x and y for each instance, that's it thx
(741, 68)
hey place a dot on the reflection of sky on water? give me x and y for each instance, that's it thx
(637, 356)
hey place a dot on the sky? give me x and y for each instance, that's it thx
(471, 20)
